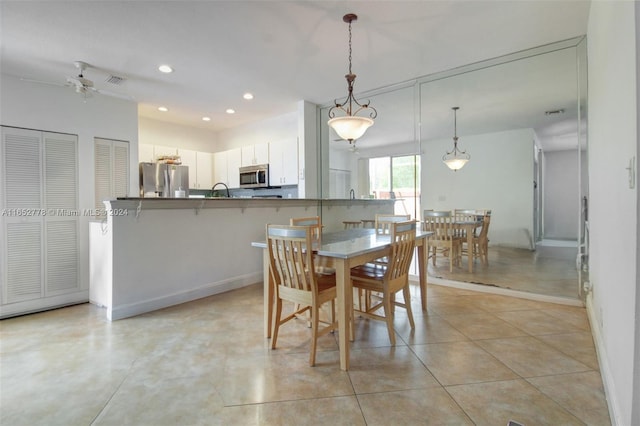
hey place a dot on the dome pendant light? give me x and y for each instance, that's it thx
(456, 159)
(350, 126)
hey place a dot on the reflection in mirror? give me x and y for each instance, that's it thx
(519, 119)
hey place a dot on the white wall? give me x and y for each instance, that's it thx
(613, 140)
(269, 130)
(154, 132)
(561, 195)
(487, 181)
(60, 109)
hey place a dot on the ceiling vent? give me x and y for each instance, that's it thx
(114, 79)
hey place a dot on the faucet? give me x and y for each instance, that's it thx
(223, 184)
(352, 194)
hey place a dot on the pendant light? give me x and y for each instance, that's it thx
(351, 126)
(455, 159)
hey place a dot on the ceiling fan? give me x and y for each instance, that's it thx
(82, 85)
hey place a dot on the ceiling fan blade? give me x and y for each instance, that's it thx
(113, 94)
(50, 83)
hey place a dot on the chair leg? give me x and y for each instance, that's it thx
(276, 323)
(314, 335)
(406, 293)
(388, 309)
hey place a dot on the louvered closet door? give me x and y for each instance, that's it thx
(103, 165)
(120, 169)
(22, 222)
(61, 224)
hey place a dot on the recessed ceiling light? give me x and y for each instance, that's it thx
(163, 109)
(248, 96)
(206, 118)
(231, 111)
(165, 69)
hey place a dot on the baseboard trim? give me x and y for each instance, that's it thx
(43, 304)
(506, 292)
(603, 362)
(132, 309)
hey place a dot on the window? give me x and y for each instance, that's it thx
(399, 178)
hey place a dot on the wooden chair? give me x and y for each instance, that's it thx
(383, 222)
(350, 224)
(314, 223)
(444, 239)
(368, 223)
(481, 241)
(292, 269)
(390, 279)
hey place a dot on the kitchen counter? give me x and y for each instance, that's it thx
(151, 253)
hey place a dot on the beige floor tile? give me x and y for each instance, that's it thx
(429, 329)
(495, 403)
(537, 322)
(575, 316)
(339, 411)
(483, 326)
(580, 393)
(432, 406)
(578, 346)
(208, 362)
(388, 369)
(461, 362)
(454, 305)
(283, 377)
(529, 357)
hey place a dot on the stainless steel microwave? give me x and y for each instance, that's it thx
(256, 176)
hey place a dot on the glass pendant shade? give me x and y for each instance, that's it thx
(350, 127)
(455, 162)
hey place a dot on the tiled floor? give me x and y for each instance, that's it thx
(548, 270)
(473, 358)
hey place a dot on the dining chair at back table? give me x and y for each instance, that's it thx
(480, 241)
(295, 280)
(444, 239)
(388, 279)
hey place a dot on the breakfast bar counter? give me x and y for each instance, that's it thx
(151, 253)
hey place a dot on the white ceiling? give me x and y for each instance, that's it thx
(281, 51)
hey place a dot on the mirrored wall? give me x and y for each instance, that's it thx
(521, 117)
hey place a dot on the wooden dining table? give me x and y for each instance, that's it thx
(346, 249)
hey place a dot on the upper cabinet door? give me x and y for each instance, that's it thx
(204, 170)
(220, 167)
(261, 152)
(145, 153)
(283, 162)
(233, 167)
(189, 159)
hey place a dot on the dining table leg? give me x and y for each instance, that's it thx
(470, 231)
(268, 294)
(345, 306)
(422, 272)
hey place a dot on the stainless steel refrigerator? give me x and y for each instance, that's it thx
(164, 180)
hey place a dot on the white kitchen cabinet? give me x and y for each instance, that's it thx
(204, 170)
(226, 165)
(283, 162)
(220, 167)
(255, 154)
(234, 161)
(145, 153)
(200, 168)
(189, 158)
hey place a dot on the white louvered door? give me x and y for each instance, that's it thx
(62, 220)
(111, 171)
(39, 214)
